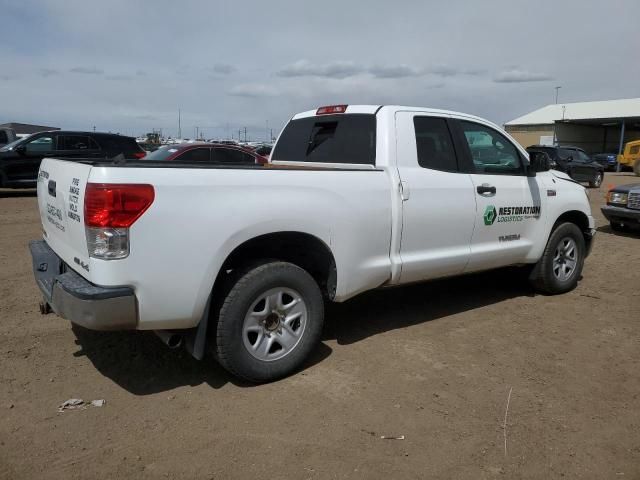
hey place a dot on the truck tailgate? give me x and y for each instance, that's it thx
(61, 188)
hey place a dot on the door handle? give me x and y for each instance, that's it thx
(486, 189)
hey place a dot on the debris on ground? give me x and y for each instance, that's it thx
(391, 437)
(79, 404)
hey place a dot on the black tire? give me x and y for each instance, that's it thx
(597, 181)
(636, 168)
(618, 227)
(230, 349)
(543, 277)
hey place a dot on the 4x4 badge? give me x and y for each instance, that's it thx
(490, 215)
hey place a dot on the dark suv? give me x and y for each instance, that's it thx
(574, 162)
(20, 160)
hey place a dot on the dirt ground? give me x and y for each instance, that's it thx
(435, 363)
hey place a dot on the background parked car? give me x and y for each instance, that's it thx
(20, 160)
(574, 162)
(608, 160)
(630, 157)
(623, 206)
(209, 153)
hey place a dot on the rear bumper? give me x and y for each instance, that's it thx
(73, 297)
(621, 214)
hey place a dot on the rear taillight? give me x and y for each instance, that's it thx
(109, 211)
(330, 109)
(140, 154)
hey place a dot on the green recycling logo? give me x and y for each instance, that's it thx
(490, 215)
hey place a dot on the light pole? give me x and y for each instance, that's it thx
(557, 88)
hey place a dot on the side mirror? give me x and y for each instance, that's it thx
(538, 162)
(21, 149)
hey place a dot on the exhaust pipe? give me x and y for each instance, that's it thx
(169, 338)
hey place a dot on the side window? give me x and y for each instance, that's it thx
(93, 145)
(230, 155)
(634, 150)
(491, 152)
(564, 154)
(4, 138)
(194, 155)
(584, 158)
(73, 142)
(434, 145)
(40, 145)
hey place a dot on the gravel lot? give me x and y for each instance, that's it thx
(433, 362)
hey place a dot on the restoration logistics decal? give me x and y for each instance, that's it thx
(510, 214)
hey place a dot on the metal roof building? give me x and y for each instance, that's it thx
(602, 126)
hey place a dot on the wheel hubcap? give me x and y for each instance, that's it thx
(274, 324)
(565, 259)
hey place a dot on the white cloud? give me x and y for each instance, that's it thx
(516, 75)
(87, 70)
(394, 71)
(223, 69)
(305, 68)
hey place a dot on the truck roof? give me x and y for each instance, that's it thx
(374, 109)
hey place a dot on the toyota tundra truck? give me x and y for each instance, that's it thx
(239, 260)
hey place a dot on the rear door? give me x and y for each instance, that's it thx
(438, 203)
(231, 156)
(509, 203)
(61, 188)
(195, 155)
(77, 146)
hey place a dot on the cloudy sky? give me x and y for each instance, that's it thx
(128, 65)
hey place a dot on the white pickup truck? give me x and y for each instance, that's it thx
(236, 259)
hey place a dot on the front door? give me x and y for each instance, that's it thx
(509, 203)
(23, 167)
(581, 168)
(438, 203)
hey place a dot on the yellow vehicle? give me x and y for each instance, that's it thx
(631, 156)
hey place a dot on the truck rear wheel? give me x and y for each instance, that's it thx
(561, 264)
(636, 168)
(270, 322)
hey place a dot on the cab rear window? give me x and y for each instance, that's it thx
(349, 138)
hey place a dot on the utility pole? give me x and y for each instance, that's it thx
(557, 88)
(94, 128)
(179, 126)
(271, 138)
(245, 134)
(239, 137)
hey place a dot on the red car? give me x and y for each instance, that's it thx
(208, 153)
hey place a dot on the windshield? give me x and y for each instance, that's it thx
(163, 153)
(9, 146)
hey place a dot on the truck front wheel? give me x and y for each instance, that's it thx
(561, 264)
(270, 322)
